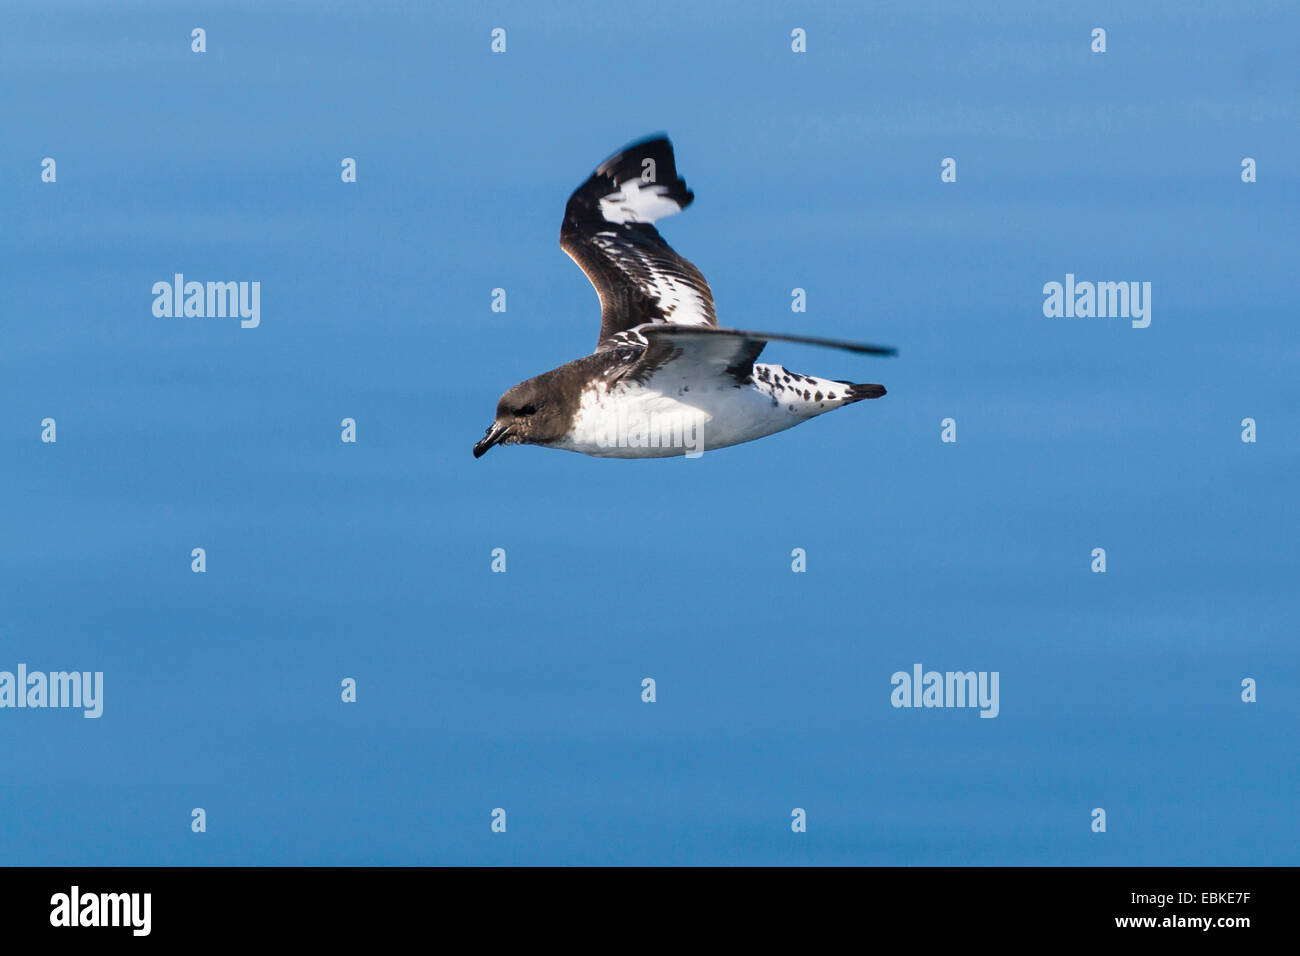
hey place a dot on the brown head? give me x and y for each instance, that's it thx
(536, 412)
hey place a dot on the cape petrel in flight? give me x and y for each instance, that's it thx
(665, 379)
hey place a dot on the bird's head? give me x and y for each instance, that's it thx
(528, 414)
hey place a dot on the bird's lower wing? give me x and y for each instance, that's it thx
(692, 350)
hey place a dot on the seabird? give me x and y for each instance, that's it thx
(664, 380)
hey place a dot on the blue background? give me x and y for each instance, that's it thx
(522, 690)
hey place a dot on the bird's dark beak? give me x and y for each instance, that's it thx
(493, 436)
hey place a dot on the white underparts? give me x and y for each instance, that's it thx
(631, 420)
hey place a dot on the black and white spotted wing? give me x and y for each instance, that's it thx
(609, 232)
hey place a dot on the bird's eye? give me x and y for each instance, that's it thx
(528, 410)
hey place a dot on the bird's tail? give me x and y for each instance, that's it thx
(807, 394)
(857, 392)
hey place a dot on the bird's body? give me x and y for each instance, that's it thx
(660, 419)
(664, 379)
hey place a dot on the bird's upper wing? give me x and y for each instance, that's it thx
(677, 352)
(609, 232)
